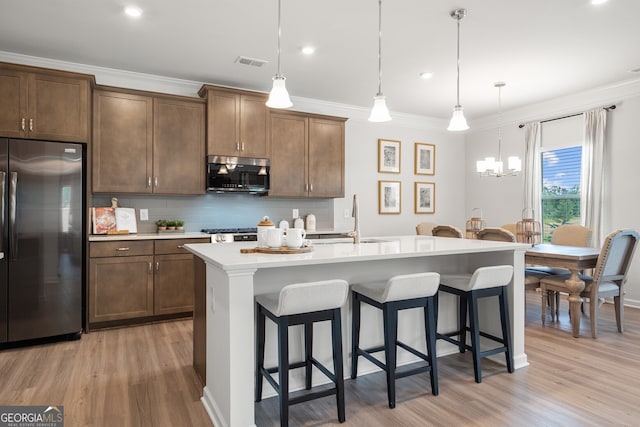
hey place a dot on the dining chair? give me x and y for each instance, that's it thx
(512, 227)
(425, 228)
(447, 231)
(608, 280)
(496, 234)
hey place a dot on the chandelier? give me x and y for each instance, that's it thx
(489, 166)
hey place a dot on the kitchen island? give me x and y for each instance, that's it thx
(233, 279)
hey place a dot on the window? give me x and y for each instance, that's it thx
(560, 188)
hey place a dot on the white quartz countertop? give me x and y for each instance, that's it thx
(328, 251)
(146, 236)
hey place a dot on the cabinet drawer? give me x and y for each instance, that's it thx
(120, 248)
(176, 246)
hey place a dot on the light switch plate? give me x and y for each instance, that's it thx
(295, 213)
(144, 214)
(347, 213)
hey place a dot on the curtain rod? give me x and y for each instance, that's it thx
(611, 107)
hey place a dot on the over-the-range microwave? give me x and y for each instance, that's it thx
(226, 174)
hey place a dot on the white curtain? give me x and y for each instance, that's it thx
(592, 177)
(532, 170)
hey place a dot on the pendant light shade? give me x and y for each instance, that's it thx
(279, 97)
(379, 112)
(458, 122)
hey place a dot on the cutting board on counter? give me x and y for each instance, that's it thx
(280, 250)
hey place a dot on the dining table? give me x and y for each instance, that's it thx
(573, 258)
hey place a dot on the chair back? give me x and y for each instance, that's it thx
(312, 296)
(447, 231)
(571, 235)
(496, 234)
(410, 286)
(425, 228)
(615, 258)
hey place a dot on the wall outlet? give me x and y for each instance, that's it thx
(347, 213)
(295, 213)
(144, 214)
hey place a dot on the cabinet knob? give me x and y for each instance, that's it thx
(30, 125)
(23, 124)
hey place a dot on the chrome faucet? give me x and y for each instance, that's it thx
(356, 228)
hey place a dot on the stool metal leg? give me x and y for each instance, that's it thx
(506, 333)
(308, 353)
(390, 315)
(283, 369)
(336, 336)
(355, 333)
(431, 323)
(475, 335)
(260, 333)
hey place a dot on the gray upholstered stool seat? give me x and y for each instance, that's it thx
(301, 304)
(398, 293)
(483, 282)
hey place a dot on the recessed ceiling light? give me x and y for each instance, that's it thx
(133, 11)
(597, 2)
(308, 50)
(426, 75)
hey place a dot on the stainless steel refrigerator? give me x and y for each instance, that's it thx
(42, 199)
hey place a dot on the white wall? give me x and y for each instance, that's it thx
(501, 199)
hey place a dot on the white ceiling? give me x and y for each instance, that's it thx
(542, 48)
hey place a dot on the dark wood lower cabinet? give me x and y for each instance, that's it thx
(140, 281)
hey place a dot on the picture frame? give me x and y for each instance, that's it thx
(389, 155)
(425, 197)
(389, 197)
(425, 159)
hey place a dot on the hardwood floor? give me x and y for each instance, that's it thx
(142, 376)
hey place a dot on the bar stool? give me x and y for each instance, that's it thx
(484, 282)
(398, 293)
(301, 304)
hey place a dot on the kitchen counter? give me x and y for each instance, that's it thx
(233, 279)
(145, 236)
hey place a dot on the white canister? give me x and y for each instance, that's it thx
(298, 223)
(311, 222)
(284, 224)
(263, 226)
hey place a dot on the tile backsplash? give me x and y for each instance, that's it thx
(219, 210)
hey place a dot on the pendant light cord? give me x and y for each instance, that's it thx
(279, 35)
(379, 48)
(499, 123)
(458, 64)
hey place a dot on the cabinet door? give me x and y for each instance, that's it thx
(223, 122)
(326, 158)
(13, 103)
(122, 142)
(120, 288)
(253, 126)
(178, 147)
(288, 174)
(58, 108)
(174, 284)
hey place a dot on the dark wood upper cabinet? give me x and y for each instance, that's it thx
(148, 144)
(44, 104)
(307, 155)
(236, 122)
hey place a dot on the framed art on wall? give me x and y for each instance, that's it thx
(389, 197)
(388, 156)
(425, 197)
(425, 159)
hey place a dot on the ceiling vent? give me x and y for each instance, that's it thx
(250, 61)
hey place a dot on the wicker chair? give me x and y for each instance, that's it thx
(608, 280)
(447, 231)
(425, 228)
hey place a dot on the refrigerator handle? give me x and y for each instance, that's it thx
(13, 238)
(3, 191)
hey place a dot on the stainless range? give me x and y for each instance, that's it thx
(228, 235)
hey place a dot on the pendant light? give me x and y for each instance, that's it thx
(489, 166)
(279, 97)
(379, 112)
(458, 122)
